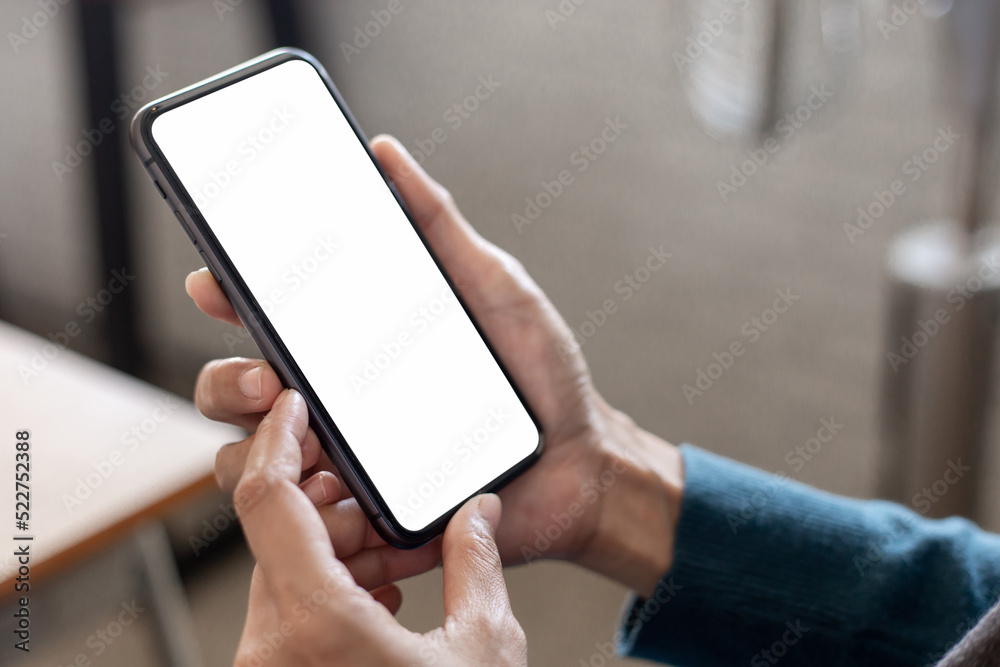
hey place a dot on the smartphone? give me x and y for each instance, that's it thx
(278, 189)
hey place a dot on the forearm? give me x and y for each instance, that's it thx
(634, 540)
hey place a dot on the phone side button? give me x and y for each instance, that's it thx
(208, 264)
(180, 219)
(159, 188)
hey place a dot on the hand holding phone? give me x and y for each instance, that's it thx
(307, 608)
(274, 182)
(527, 333)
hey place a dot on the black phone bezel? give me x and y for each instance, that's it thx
(257, 322)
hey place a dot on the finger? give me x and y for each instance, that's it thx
(323, 463)
(323, 488)
(371, 562)
(390, 597)
(473, 576)
(462, 251)
(283, 529)
(231, 459)
(236, 390)
(372, 568)
(209, 297)
(349, 528)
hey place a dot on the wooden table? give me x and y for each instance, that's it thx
(107, 452)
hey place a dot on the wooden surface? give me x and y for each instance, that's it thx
(107, 451)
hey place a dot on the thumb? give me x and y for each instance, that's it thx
(462, 251)
(473, 575)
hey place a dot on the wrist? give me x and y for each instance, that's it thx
(633, 541)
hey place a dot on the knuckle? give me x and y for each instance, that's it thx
(216, 385)
(511, 264)
(444, 209)
(254, 486)
(447, 200)
(502, 271)
(353, 610)
(491, 624)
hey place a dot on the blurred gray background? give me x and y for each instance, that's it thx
(656, 185)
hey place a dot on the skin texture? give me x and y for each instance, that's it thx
(307, 608)
(605, 494)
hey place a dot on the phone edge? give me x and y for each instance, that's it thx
(364, 490)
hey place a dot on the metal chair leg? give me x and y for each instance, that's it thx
(165, 594)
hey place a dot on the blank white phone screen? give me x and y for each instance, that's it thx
(307, 221)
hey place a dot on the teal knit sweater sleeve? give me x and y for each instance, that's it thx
(768, 570)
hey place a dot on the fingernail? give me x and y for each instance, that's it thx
(250, 383)
(282, 397)
(315, 489)
(489, 509)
